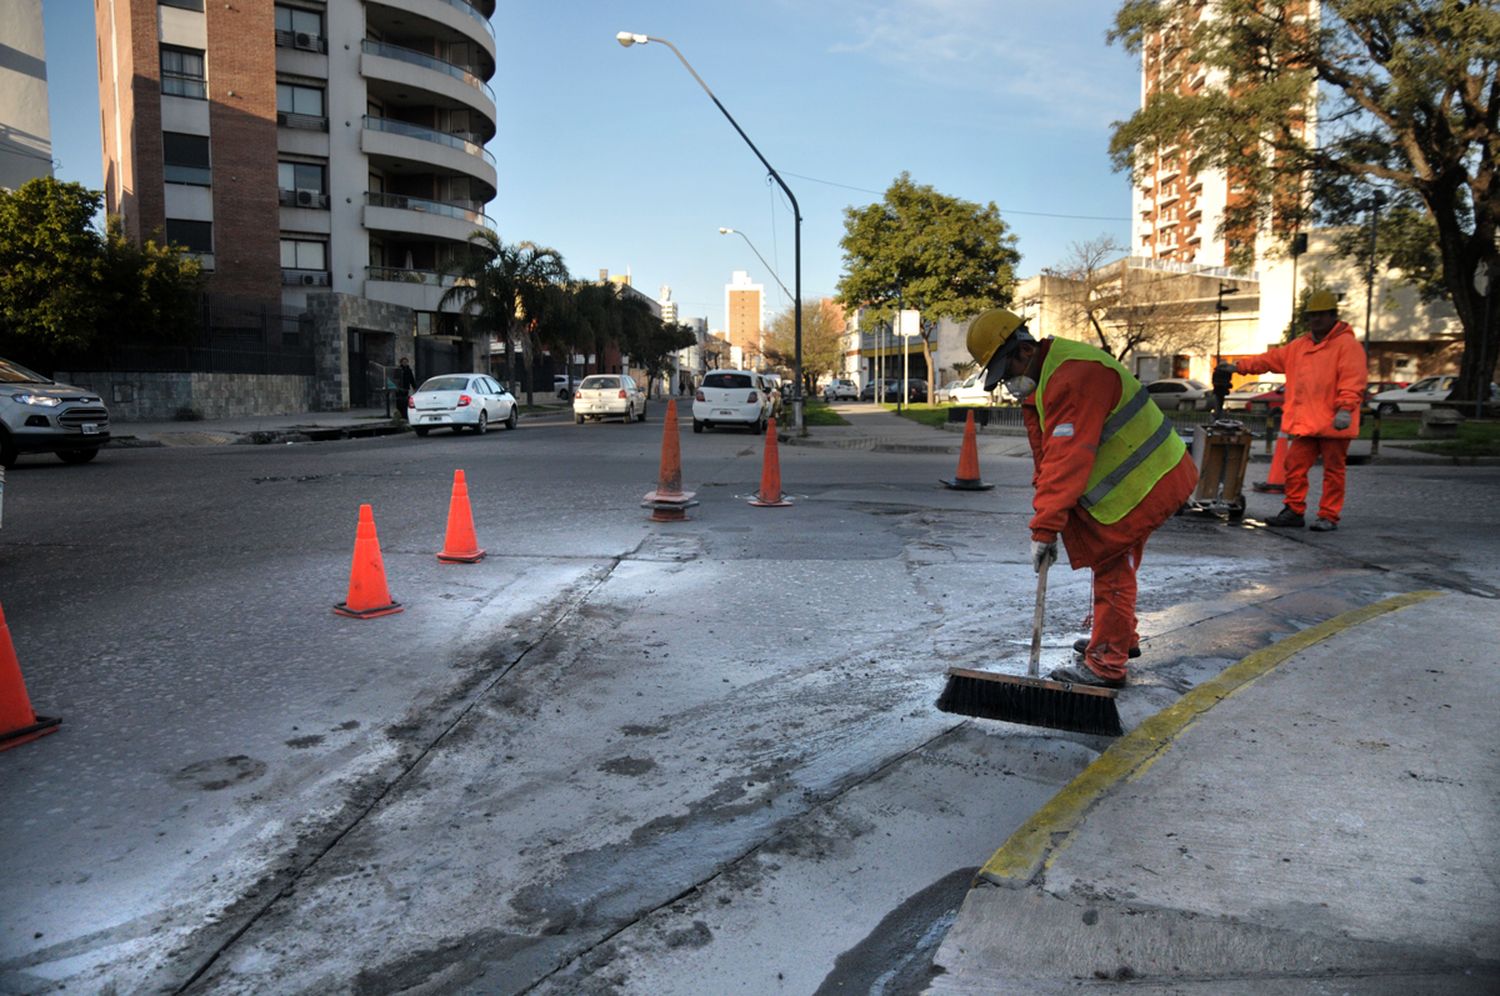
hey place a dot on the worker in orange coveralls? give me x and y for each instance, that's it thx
(1326, 372)
(1109, 466)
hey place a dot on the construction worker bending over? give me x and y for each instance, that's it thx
(1326, 373)
(1110, 469)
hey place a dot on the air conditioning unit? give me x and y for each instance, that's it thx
(312, 279)
(305, 41)
(307, 198)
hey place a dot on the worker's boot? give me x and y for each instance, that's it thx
(1081, 674)
(1081, 647)
(1286, 519)
(1323, 525)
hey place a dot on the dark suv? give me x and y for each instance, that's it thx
(39, 415)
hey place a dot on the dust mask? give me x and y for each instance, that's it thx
(1020, 387)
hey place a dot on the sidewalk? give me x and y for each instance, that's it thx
(1320, 818)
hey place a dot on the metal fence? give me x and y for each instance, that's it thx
(233, 337)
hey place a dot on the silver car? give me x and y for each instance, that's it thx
(461, 401)
(39, 415)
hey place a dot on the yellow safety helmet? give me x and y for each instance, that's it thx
(992, 330)
(1321, 301)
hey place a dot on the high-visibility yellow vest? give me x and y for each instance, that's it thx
(1136, 448)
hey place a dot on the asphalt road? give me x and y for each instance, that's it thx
(614, 756)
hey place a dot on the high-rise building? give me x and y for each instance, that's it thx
(325, 157)
(25, 130)
(1177, 213)
(744, 315)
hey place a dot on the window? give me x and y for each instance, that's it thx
(302, 184)
(182, 72)
(292, 98)
(185, 158)
(194, 236)
(303, 254)
(298, 28)
(184, 4)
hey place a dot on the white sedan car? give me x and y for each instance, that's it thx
(602, 396)
(461, 401)
(731, 397)
(1420, 396)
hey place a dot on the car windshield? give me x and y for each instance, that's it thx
(1194, 385)
(599, 383)
(446, 384)
(727, 380)
(14, 373)
(1426, 384)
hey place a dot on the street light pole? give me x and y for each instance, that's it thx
(736, 231)
(627, 39)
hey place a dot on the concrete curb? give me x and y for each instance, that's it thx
(1030, 849)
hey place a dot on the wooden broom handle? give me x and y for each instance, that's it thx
(1034, 668)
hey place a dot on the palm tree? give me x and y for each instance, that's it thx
(502, 288)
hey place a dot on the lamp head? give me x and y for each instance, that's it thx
(725, 231)
(629, 38)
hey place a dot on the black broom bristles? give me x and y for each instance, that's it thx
(1029, 701)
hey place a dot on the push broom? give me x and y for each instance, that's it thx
(1030, 699)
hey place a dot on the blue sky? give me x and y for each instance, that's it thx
(617, 159)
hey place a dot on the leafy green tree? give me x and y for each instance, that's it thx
(822, 342)
(1409, 98)
(150, 292)
(502, 288)
(917, 248)
(653, 352)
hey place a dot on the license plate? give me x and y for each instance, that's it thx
(90, 429)
(724, 411)
(432, 418)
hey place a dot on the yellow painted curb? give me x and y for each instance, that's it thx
(1028, 850)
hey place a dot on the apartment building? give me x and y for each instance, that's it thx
(324, 158)
(744, 315)
(25, 129)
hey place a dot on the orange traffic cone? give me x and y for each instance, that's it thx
(368, 595)
(770, 494)
(967, 478)
(1275, 482)
(18, 723)
(460, 546)
(669, 503)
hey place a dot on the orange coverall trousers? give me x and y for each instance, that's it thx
(1114, 632)
(1301, 454)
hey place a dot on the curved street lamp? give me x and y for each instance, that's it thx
(736, 231)
(629, 38)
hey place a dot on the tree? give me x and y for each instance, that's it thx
(1409, 102)
(653, 351)
(917, 248)
(1124, 310)
(66, 287)
(503, 288)
(822, 340)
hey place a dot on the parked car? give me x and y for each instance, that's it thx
(1420, 396)
(563, 384)
(1239, 399)
(1273, 400)
(1179, 394)
(890, 391)
(39, 415)
(461, 401)
(602, 396)
(777, 391)
(970, 391)
(1375, 387)
(731, 397)
(916, 390)
(840, 390)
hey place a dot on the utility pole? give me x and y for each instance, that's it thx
(1370, 269)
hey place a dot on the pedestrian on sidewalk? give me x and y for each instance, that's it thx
(1326, 372)
(406, 384)
(1109, 469)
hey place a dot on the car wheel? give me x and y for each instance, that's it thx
(513, 419)
(78, 456)
(642, 416)
(484, 423)
(629, 414)
(578, 419)
(7, 450)
(1388, 408)
(419, 430)
(697, 425)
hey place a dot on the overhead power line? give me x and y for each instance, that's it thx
(1036, 214)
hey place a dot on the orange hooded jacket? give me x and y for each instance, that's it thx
(1321, 378)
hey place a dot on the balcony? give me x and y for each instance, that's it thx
(415, 58)
(433, 149)
(291, 277)
(420, 290)
(456, 16)
(419, 216)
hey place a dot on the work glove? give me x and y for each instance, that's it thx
(1043, 553)
(1342, 419)
(1227, 368)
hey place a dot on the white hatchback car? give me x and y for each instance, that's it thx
(731, 397)
(602, 396)
(840, 390)
(461, 401)
(1420, 396)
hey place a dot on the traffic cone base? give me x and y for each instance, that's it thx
(460, 545)
(669, 503)
(368, 595)
(967, 478)
(770, 494)
(18, 723)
